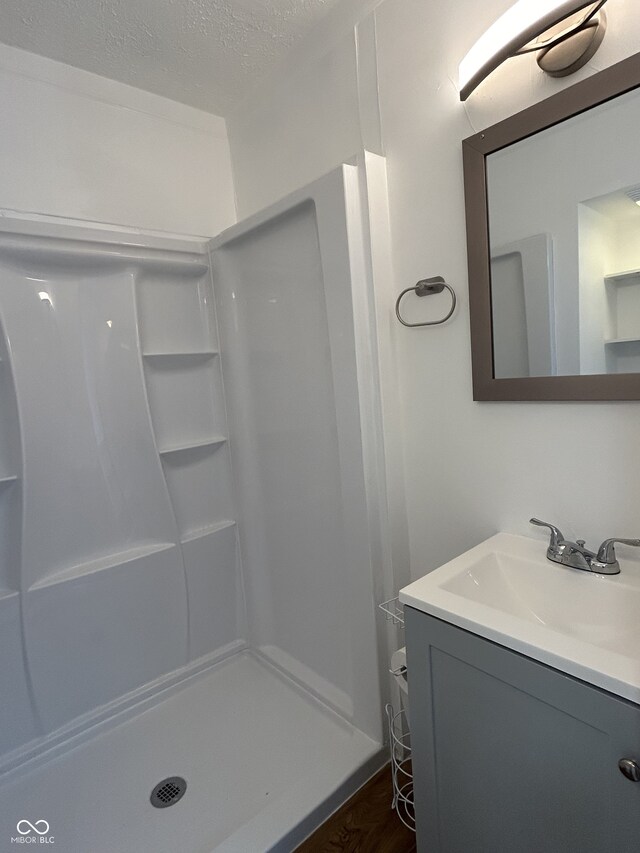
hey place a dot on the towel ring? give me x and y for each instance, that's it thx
(427, 287)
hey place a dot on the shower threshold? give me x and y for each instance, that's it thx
(264, 765)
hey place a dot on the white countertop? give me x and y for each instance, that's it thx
(505, 590)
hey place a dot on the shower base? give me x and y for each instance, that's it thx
(263, 762)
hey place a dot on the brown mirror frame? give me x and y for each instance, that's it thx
(597, 89)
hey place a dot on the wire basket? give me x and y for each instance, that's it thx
(402, 776)
(393, 610)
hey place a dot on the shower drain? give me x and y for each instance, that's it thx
(168, 792)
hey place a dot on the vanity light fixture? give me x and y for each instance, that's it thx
(634, 194)
(566, 34)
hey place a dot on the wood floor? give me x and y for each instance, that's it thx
(364, 824)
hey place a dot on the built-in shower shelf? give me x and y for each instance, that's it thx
(182, 355)
(621, 277)
(213, 442)
(6, 481)
(201, 532)
(614, 341)
(107, 561)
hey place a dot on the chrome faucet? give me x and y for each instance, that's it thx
(575, 555)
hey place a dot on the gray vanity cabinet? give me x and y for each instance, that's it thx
(512, 756)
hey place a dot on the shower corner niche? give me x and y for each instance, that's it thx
(175, 313)
(183, 375)
(622, 335)
(185, 392)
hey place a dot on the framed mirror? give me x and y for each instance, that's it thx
(553, 240)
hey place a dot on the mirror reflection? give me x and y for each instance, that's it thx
(564, 226)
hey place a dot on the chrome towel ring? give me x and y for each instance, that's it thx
(427, 287)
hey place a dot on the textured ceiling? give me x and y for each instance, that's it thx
(207, 53)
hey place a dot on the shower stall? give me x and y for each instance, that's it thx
(193, 530)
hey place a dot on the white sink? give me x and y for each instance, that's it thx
(506, 590)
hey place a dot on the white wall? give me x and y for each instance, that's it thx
(77, 145)
(596, 255)
(627, 246)
(470, 468)
(315, 114)
(274, 143)
(487, 466)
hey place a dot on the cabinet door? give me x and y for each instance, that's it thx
(511, 756)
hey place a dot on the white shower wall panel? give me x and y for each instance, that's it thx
(95, 637)
(10, 467)
(17, 718)
(9, 535)
(289, 405)
(185, 396)
(175, 316)
(8, 419)
(215, 594)
(85, 425)
(284, 280)
(199, 480)
(113, 576)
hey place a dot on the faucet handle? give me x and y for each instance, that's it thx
(556, 534)
(607, 551)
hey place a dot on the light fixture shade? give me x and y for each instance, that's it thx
(519, 25)
(634, 194)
